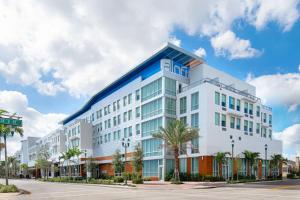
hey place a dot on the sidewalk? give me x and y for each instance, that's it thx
(159, 185)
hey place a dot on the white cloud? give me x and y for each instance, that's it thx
(200, 52)
(175, 41)
(278, 89)
(227, 44)
(284, 12)
(290, 137)
(35, 123)
(79, 47)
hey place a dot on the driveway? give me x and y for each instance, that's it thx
(62, 191)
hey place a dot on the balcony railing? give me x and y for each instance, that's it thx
(223, 86)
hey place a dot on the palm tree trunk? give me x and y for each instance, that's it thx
(6, 166)
(176, 170)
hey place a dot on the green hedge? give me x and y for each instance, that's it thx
(8, 188)
(194, 177)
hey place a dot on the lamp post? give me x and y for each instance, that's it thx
(86, 169)
(125, 144)
(232, 167)
(266, 151)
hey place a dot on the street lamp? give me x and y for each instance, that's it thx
(86, 169)
(125, 144)
(232, 167)
(266, 151)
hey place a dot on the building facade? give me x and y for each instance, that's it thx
(174, 84)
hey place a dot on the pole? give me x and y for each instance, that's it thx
(232, 161)
(6, 166)
(86, 169)
(125, 164)
(266, 163)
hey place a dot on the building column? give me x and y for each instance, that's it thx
(205, 165)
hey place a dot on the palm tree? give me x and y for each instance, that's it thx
(175, 134)
(251, 158)
(276, 159)
(221, 159)
(5, 132)
(76, 152)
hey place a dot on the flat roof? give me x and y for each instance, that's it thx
(169, 51)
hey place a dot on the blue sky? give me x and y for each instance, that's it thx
(52, 61)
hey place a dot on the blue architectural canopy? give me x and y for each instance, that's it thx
(145, 69)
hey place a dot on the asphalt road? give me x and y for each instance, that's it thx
(41, 190)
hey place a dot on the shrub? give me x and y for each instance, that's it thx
(8, 188)
(137, 180)
(169, 175)
(290, 175)
(147, 178)
(118, 179)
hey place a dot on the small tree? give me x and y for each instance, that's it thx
(24, 168)
(42, 160)
(251, 158)
(137, 160)
(117, 162)
(221, 159)
(276, 160)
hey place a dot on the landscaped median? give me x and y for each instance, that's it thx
(8, 189)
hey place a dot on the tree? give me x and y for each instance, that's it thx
(43, 160)
(76, 152)
(174, 135)
(24, 168)
(137, 160)
(221, 159)
(251, 158)
(117, 162)
(5, 132)
(276, 160)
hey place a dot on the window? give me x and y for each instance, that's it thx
(119, 119)
(129, 98)
(238, 105)
(114, 106)
(270, 134)
(119, 134)
(105, 138)
(150, 127)
(223, 120)
(115, 121)
(182, 165)
(270, 119)
(246, 107)
(231, 102)
(195, 145)
(124, 116)
(100, 112)
(265, 118)
(195, 166)
(170, 86)
(130, 131)
(118, 104)
(101, 139)
(137, 129)
(246, 125)
(129, 115)
(150, 168)
(264, 132)
(183, 119)
(257, 128)
(232, 122)
(182, 105)
(108, 109)
(170, 105)
(108, 123)
(223, 100)
(195, 101)
(108, 137)
(258, 111)
(125, 132)
(137, 95)
(250, 126)
(152, 108)
(238, 123)
(115, 135)
(217, 119)
(124, 101)
(152, 147)
(105, 110)
(251, 109)
(195, 120)
(151, 90)
(137, 112)
(217, 98)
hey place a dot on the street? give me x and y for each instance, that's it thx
(42, 190)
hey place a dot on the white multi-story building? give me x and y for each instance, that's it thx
(174, 84)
